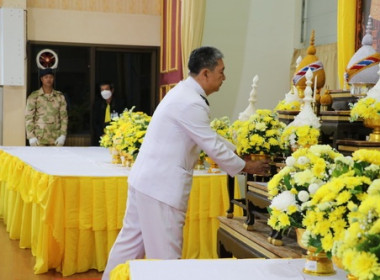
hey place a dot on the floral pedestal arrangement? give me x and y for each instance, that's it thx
(116, 157)
(317, 263)
(214, 168)
(200, 165)
(375, 125)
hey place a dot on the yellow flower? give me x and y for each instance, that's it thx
(343, 197)
(288, 106)
(292, 209)
(327, 242)
(258, 135)
(366, 108)
(302, 136)
(365, 266)
(284, 220)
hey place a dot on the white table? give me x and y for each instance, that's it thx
(67, 204)
(221, 269)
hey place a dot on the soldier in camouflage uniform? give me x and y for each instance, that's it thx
(46, 114)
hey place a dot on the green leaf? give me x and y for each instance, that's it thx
(287, 181)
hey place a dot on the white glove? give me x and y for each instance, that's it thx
(33, 141)
(60, 140)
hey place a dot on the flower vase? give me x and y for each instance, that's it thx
(124, 158)
(200, 165)
(375, 125)
(214, 168)
(129, 160)
(317, 264)
(262, 157)
(259, 156)
(116, 157)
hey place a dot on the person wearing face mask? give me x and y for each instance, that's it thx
(46, 114)
(106, 108)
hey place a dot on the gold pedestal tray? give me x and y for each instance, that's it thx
(317, 264)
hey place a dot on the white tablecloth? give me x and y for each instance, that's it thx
(73, 161)
(67, 204)
(224, 269)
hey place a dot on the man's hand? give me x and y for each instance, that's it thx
(257, 167)
(33, 141)
(60, 140)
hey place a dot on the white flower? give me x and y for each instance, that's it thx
(290, 161)
(303, 160)
(324, 206)
(303, 196)
(305, 205)
(306, 237)
(374, 187)
(345, 160)
(372, 167)
(261, 126)
(283, 201)
(304, 177)
(292, 140)
(313, 188)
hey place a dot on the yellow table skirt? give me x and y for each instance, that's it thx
(70, 223)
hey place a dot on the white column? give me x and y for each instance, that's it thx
(12, 72)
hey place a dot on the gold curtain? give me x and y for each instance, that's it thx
(192, 15)
(346, 35)
(327, 54)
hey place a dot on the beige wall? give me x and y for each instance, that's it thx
(256, 37)
(93, 27)
(13, 116)
(115, 22)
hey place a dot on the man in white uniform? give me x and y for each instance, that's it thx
(160, 180)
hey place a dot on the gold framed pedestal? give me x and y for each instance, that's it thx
(348, 146)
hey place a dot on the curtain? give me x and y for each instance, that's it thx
(327, 54)
(346, 35)
(192, 15)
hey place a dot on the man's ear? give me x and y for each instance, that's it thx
(204, 73)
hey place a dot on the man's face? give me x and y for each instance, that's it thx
(105, 87)
(47, 80)
(216, 77)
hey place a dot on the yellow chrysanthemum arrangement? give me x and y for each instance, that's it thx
(329, 211)
(222, 127)
(127, 132)
(260, 134)
(366, 108)
(283, 105)
(294, 185)
(294, 137)
(109, 131)
(359, 250)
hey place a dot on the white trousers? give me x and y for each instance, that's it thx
(150, 228)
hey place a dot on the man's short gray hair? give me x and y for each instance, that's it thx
(204, 57)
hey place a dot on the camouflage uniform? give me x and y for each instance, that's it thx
(46, 116)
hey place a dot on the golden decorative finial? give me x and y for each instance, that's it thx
(311, 49)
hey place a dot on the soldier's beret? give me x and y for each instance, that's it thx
(46, 71)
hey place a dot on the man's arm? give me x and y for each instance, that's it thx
(30, 111)
(63, 115)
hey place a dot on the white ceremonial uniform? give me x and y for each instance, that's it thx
(162, 175)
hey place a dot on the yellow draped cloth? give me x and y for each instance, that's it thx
(71, 222)
(346, 35)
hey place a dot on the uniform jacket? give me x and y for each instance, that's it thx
(179, 129)
(46, 116)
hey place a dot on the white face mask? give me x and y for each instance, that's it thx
(106, 94)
